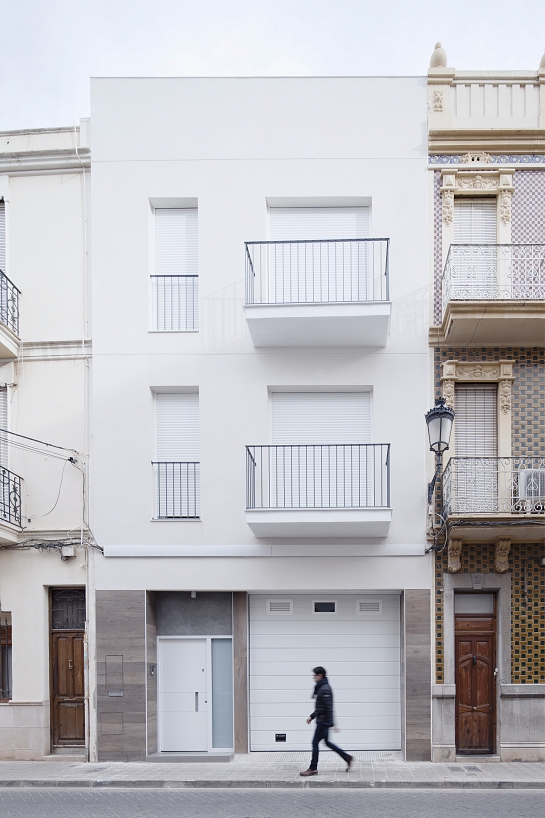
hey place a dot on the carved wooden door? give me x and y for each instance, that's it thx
(475, 642)
(68, 705)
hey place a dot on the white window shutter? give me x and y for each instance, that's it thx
(315, 418)
(318, 223)
(476, 423)
(3, 425)
(475, 221)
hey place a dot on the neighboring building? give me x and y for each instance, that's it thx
(487, 168)
(43, 385)
(258, 480)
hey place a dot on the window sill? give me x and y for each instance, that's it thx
(176, 520)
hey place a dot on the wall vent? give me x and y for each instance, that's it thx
(369, 607)
(280, 607)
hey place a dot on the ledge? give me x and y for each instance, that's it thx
(522, 691)
(319, 522)
(339, 324)
(443, 691)
(491, 323)
(9, 342)
(470, 528)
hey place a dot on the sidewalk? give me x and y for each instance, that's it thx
(369, 769)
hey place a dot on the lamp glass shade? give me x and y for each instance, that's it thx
(439, 420)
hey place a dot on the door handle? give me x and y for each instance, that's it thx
(474, 708)
(70, 664)
(474, 660)
(196, 702)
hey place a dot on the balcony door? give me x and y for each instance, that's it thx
(474, 255)
(316, 460)
(476, 443)
(312, 258)
(177, 466)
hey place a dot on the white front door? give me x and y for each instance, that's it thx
(183, 695)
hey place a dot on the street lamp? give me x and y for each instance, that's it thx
(439, 421)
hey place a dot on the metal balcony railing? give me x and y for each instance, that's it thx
(492, 272)
(175, 303)
(334, 476)
(10, 497)
(177, 490)
(310, 272)
(9, 303)
(494, 485)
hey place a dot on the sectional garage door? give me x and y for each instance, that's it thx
(359, 645)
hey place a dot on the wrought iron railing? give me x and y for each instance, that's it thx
(10, 497)
(491, 272)
(325, 476)
(175, 303)
(494, 485)
(177, 490)
(9, 303)
(307, 272)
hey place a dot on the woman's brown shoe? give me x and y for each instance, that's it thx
(309, 772)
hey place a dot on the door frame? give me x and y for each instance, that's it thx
(501, 584)
(492, 729)
(208, 640)
(50, 636)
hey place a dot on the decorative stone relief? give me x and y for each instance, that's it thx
(477, 581)
(505, 396)
(454, 556)
(438, 102)
(448, 206)
(501, 556)
(479, 156)
(476, 372)
(448, 393)
(477, 183)
(505, 206)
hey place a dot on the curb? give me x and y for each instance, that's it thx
(267, 784)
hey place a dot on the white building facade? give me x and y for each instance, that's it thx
(260, 376)
(44, 353)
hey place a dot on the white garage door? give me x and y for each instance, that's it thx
(355, 637)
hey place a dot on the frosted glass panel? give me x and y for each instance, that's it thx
(474, 603)
(222, 693)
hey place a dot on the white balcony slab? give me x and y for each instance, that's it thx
(339, 324)
(319, 522)
(9, 343)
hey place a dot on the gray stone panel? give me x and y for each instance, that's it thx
(209, 614)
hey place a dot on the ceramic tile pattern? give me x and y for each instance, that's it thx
(528, 439)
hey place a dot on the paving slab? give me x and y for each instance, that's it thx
(276, 770)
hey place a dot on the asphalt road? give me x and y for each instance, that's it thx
(226, 803)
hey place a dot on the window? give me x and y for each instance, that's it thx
(476, 428)
(177, 466)
(475, 221)
(175, 292)
(324, 607)
(5, 658)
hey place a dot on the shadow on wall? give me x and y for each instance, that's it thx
(223, 322)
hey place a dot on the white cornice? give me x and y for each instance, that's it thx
(53, 350)
(27, 162)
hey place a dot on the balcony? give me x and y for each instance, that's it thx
(175, 303)
(332, 293)
(507, 491)
(177, 490)
(9, 318)
(318, 491)
(10, 506)
(493, 294)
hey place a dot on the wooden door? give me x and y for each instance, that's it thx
(475, 641)
(68, 705)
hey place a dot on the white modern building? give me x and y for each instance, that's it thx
(44, 354)
(260, 376)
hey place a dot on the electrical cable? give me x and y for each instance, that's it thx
(58, 495)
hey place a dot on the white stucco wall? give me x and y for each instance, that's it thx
(235, 145)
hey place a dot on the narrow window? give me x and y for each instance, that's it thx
(325, 607)
(175, 280)
(177, 466)
(5, 658)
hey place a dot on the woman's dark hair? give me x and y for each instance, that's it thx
(319, 671)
